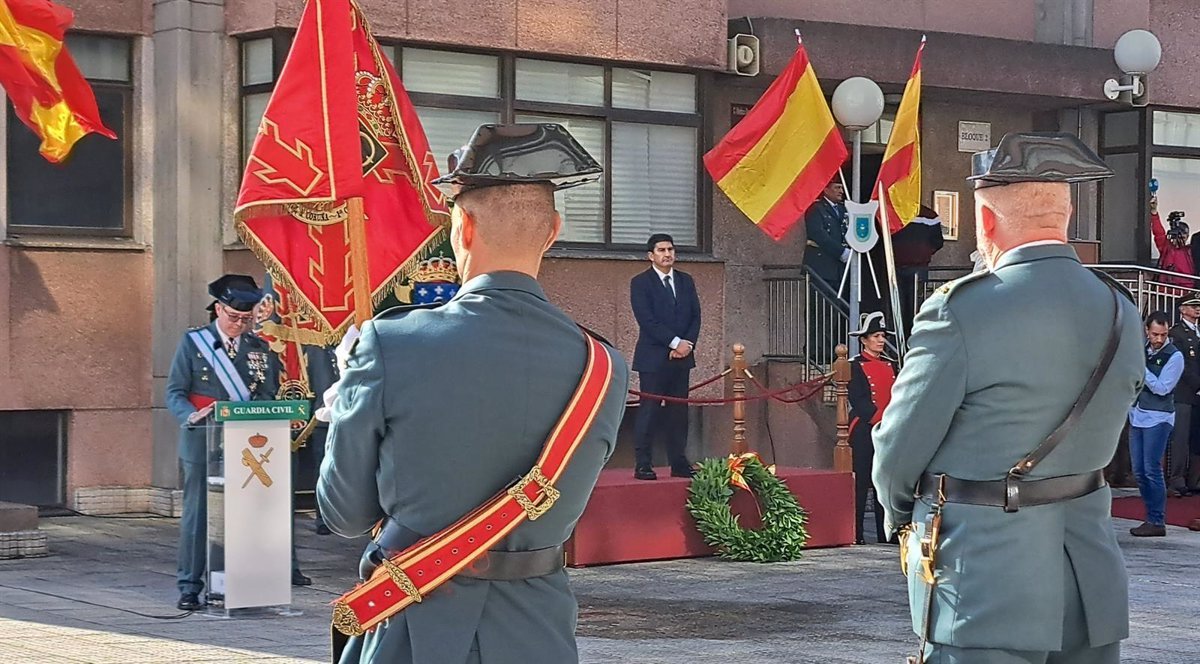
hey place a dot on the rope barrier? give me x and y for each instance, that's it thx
(808, 389)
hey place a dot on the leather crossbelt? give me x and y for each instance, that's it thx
(1010, 493)
(407, 577)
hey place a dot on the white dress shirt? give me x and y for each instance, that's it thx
(662, 278)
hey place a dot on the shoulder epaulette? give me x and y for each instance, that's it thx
(405, 308)
(1113, 283)
(948, 289)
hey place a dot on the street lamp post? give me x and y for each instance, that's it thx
(1137, 53)
(857, 104)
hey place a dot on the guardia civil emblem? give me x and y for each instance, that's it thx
(861, 231)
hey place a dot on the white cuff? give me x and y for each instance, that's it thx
(675, 343)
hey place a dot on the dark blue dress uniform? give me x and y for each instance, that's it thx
(192, 384)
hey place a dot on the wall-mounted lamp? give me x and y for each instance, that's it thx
(1137, 53)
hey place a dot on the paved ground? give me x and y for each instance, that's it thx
(106, 595)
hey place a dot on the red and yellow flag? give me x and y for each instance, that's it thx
(775, 162)
(900, 173)
(47, 90)
(338, 125)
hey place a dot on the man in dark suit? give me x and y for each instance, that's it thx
(1186, 337)
(825, 225)
(667, 310)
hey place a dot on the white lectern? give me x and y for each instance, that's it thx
(250, 506)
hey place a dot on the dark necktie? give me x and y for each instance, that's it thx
(667, 283)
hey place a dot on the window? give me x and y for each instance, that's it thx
(91, 192)
(641, 125)
(33, 457)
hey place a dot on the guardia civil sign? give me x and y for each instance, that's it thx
(237, 411)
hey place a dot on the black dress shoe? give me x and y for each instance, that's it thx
(686, 471)
(323, 529)
(298, 579)
(644, 473)
(189, 602)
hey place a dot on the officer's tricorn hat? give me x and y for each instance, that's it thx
(518, 154)
(1038, 156)
(1192, 299)
(236, 291)
(870, 324)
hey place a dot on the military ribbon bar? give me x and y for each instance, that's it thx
(410, 575)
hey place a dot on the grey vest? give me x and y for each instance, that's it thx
(1148, 400)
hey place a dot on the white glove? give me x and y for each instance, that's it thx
(845, 255)
(200, 414)
(342, 352)
(329, 398)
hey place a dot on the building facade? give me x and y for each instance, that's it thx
(106, 258)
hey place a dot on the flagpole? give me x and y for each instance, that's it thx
(889, 257)
(359, 275)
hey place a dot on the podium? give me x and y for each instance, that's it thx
(250, 506)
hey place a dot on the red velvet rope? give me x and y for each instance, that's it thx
(808, 389)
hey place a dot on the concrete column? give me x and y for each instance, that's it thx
(188, 46)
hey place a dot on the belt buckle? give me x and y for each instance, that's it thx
(535, 507)
(1012, 492)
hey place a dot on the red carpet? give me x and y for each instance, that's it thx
(628, 520)
(1180, 511)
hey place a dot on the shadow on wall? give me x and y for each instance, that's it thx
(28, 293)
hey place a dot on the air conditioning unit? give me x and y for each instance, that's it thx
(743, 55)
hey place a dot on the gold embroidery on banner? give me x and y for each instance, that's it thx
(293, 165)
(335, 240)
(318, 214)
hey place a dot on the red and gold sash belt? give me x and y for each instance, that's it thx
(412, 574)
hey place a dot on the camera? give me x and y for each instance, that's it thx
(1177, 228)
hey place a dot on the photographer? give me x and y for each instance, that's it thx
(1172, 242)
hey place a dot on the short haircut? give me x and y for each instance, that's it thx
(656, 238)
(1159, 317)
(511, 217)
(1029, 205)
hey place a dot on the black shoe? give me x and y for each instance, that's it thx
(189, 602)
(686, 471)
(1148, 530)
(298, 579)
(644, 473)
(323, 529)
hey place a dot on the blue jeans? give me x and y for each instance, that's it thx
(1146, 449)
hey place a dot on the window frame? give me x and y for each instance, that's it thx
(125, 89)
(507, 107)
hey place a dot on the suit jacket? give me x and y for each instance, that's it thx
(976, 394)
(1188, 343)
(438, 410)
(191, 373)
(661, 318)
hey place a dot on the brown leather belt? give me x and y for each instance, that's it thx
(1011, 493)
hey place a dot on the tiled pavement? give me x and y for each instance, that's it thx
(106, 595)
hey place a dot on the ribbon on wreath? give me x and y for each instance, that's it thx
(737, 468)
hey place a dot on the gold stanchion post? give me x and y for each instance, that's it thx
(739, 392)
(843, 456)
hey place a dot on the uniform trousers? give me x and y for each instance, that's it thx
(1075, 650)
(864, 455)
(1178, 448)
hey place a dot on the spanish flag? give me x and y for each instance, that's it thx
(900, 173)
(47, 90)
(775, 162)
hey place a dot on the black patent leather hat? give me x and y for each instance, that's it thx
(1040, 156)
(518, 154)
(237, 291)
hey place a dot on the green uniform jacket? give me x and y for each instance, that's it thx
(995, 362)
(438, 410)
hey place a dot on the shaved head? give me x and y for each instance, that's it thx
(513, 217)
(506, 227)
(1029, 205)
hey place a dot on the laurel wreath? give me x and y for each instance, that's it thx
(783, 533)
